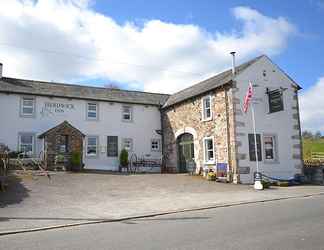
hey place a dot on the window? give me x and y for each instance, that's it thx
(252, 147)
(127, 113)
(27, 143)
(92, 145)
(206, 108)
(269, 144)
(63, 144)
(209, 150)
(112, 146)
(275, 101)
(92, 111)
(155, 145)
(27, 108)
(128, 144)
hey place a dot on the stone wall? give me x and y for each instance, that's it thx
(55, 137)
(186, 117)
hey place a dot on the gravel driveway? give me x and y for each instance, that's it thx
(76, 197)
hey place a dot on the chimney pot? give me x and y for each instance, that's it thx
(233, 62)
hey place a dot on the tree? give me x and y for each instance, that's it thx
(318, 135)
(307, 134)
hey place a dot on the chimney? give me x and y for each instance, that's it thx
(233, 62)
(1, 70)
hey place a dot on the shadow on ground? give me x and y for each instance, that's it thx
(15, 192)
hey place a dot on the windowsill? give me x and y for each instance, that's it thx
(92, 119)
(270, 113)
(210, 163)
(127, 121)
(207, 119)
(92, 156)
(271, 162)
(27, 116)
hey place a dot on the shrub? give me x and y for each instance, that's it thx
(76, 161)
(123, 158)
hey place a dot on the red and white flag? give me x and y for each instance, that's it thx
(247, 98)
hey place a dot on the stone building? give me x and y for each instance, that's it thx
(204, 125)
(201, 127)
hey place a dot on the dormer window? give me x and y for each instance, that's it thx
(275, 101)
(206, 108)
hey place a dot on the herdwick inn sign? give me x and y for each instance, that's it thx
(52, 108)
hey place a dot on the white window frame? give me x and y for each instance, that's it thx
(131, 144)
(158, 141)
(33, 144)
(92, 111)
(275, 148)
(97, 146)
(204, 109)
(130, 113)
(22, 106)
(207, 161)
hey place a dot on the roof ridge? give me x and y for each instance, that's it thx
(83, 86)
(205, 81)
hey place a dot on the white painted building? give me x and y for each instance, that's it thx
(29, 108)
(205, 121)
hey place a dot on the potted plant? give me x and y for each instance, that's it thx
(211, 176)
(123, 159)
(76, 161)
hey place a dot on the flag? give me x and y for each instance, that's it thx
(247, 98)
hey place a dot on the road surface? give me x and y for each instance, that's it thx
(286, 224)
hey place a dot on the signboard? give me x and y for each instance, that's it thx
(54, 108)
(244, 170)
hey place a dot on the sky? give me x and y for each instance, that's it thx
(163, 46)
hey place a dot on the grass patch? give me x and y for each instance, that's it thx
(312, 145)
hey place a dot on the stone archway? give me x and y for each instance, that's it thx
(187, 148)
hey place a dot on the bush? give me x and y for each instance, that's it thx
(76, 161)
(14, 154)
(123, 158)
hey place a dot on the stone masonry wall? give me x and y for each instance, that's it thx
(186, 117)
(55, 137)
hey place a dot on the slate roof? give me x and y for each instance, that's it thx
(208, 84)
(65, 123)
(21, 86)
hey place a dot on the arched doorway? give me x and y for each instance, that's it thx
(186, 155)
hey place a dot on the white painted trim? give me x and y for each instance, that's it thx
(184, 130)
(86, 147)
(131, 113)
(276, 149)
(203, 108)
(33, 115)
(97, 112)
(204, 150)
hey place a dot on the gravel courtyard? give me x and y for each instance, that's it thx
(75, 197)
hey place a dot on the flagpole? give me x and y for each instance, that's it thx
(254, 133)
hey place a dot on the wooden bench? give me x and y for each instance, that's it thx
(317, 156)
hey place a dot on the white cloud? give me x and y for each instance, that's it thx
(312, 107)
(156, 56)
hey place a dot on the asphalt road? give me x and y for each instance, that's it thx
(286, 224)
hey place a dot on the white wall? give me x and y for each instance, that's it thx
(280, 123)
(146, 119)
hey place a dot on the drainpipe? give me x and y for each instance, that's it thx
(162, 139)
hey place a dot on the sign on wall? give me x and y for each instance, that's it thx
(55, 108)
